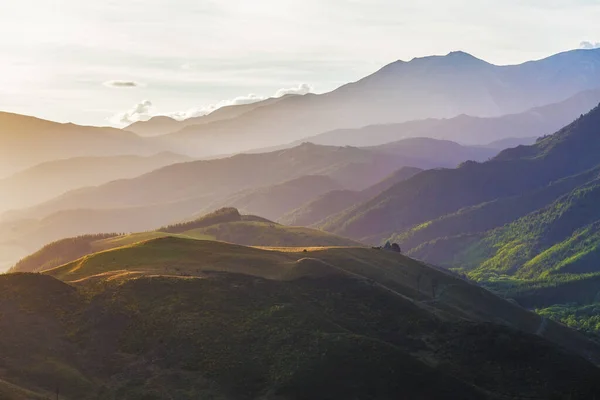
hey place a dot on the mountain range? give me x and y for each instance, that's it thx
(29, 141)
(431, 231)
(50, 179)
(471, 130)
(429, 87)
(524, 224)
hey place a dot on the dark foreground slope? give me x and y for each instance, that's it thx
(185, 319)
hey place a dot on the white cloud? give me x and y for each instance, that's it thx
(589, 45)
(122, 84)
(139, 112)
(301, 89)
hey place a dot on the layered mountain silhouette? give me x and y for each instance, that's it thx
(335, 201)
(524, 224)
(275, 183)
(429, 87)
(29, 141)
(146, 274)
(490, 131)
(50, 179)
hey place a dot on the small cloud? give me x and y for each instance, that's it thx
(121, 84)
(589, 45)
(142, 110)
(139, 112)
(302, 89)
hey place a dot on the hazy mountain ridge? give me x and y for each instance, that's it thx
(512, 172)
(179, 191)
(29, 141)
(471, 130)
(53, 178)
(431, 87)
(162, 125)
(319, 208)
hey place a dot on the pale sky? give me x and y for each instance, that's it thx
(106, 61)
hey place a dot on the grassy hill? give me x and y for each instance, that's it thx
(183, 318)
(224, 225)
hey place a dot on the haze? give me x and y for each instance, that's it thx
(95, 63)
(299, 200)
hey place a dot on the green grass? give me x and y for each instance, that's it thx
(581, 317)
(243, 230)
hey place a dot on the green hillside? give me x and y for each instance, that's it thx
(187, 319)
(525, 224)
(436, 193)
(226, 225)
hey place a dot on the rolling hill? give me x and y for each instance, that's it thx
(53, 178)
(193, 319)
(471, 130)
(429, 87)
(29, 141)
(226, 224)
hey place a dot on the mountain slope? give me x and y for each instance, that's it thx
(525, 224)
(53, 178)
(274, 201)
(471, 130)
(28, 141)
(430, 87)
(333, 202)
(328, 303)
(515, 171)
(183, 190)
(353, 168)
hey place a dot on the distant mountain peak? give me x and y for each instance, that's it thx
(460, 53)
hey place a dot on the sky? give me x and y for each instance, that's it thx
(113, 62)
